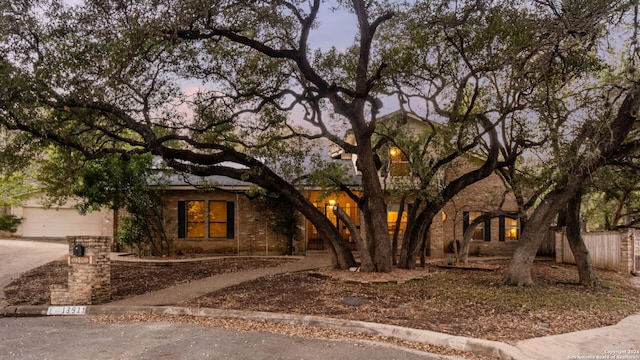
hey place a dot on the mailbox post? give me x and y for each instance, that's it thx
(89, 276)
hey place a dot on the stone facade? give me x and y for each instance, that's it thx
(483, 196)
(89, 276)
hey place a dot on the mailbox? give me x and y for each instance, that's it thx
(78, 250)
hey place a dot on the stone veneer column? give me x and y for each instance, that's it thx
(626, 252)
(89, 279)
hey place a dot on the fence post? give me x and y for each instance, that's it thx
(626, 251)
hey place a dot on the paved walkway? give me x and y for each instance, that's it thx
(184, 292)
(620, 341)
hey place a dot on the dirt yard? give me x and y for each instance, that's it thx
(461, 302)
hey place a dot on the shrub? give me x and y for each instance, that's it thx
(9, 223)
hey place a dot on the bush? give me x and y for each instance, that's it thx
(9, 223)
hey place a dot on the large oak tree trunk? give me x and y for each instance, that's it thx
(611, 138)
(580, 252)
(417, 232)
(412, 245)
(374, 208)
(519, 270)
(366, 264)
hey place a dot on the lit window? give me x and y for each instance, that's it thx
(399, 162)
(392, 218)
(218, 218)
(510, 229)
(195, 219)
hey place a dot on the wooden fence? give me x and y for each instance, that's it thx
(612, 250)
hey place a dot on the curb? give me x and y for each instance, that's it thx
(493, 349)
(126, 259)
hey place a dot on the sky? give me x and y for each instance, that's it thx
(335, 29)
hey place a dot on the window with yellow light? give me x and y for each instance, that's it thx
(399, 162)
(392, 219)
(195, 219)
(510, 229)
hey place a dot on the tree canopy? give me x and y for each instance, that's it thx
(203, 84)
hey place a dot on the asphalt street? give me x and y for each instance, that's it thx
(77, 337)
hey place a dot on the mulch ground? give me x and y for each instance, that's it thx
(467, 302)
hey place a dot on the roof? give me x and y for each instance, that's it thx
(183, 181)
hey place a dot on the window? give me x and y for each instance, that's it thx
(218, 218)
(509, 228)
(194, 223)
(399, 162)
(352, 212)
(195, 219)
(482, 230)
(325, 206)
(392, 218)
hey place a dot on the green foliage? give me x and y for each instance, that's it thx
(9, 223)
(614, 198)
(284, 219)
(15, 188)
(477, 251)
(129, 184)
(58, 173)
(117, 183)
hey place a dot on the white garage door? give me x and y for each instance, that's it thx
(38, 222)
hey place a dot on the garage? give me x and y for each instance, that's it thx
(38, 222)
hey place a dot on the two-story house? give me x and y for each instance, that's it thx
(223, 220)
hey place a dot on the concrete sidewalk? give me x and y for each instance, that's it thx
(620, 341)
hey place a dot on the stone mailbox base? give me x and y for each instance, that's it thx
(89, 279)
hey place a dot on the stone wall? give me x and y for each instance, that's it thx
(89, 276)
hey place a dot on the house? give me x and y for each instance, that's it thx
(497, 236)
(59, 221)
(218, 217)
(215, 216)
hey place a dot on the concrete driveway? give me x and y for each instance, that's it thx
(19, 256)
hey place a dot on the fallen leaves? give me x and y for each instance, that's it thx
(454, 301)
